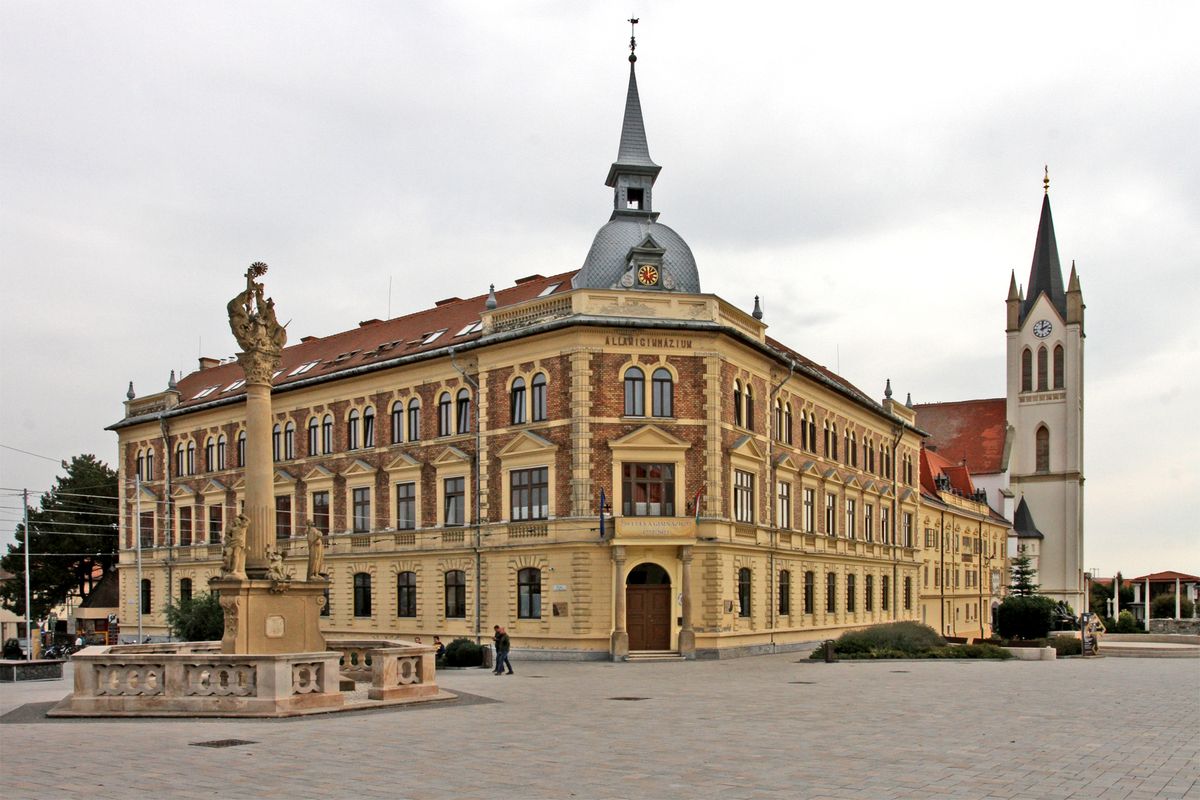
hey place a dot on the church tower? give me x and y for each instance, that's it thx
(1045, 409)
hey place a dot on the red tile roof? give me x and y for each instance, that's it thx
(969, 432)
(1162, 577)
(372, 341)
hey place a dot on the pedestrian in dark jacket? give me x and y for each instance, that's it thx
(502, 647)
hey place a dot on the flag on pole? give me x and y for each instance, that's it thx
(696, 501)
(601, 513)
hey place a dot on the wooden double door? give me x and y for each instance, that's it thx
(648, 617)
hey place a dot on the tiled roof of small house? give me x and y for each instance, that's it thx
(968, 432)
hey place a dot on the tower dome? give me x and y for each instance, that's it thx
(633, 250)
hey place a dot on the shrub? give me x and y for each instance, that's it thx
(905, 638)
(198, 618)
(970, 651)
(12, 649)
(1126, 623)
(1066, 645)
(1163, 607)
(463, 653)
(1021, 617)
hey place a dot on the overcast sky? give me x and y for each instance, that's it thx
(873, 170)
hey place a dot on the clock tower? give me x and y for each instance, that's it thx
(1045, 414)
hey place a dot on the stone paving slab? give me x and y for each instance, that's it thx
(741, 728)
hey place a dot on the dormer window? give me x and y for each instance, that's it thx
(634, 198)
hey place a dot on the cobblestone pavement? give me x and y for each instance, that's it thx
(761, 727)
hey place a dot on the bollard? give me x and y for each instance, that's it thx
(830, 652)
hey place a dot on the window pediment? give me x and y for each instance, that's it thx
(213, 486)
(183, 492)
(833, 475)
(785, 463)
(525, 443)
(648, 437)
(451, 455)
(358, 467)
(907, 494)
(852, 483)
(283, 476)
(748, 447)
(810, 468)
(318, 473)
(402, 463)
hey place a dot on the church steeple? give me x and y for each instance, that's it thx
(1045, 274)
(633, 174)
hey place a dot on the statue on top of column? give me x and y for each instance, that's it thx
(256, 328)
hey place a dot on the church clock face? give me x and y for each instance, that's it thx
(647, 275)
(1042, 328)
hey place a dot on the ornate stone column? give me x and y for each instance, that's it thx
(687, 636)
(620, 638)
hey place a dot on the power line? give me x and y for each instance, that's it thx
(35, 455)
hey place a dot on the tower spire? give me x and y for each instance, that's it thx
(633, 167)
(1045, 274)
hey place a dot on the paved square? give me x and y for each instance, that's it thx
(745, 728)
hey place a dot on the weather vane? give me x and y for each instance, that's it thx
(632, 38)
(1046, 179)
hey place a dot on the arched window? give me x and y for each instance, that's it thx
(289, 441)
(406, 594)
(635, 392)
(537, 401)
(869, 457)
(368, 432)
(1059, 367)
(327, 434)
(149, 475)
(464, 411)
(276, 437)
(210, 455)
(141, 465)
(833, 440)
(147, 591)
(179, 459)
(185, 589)
(804, 430)
(414, 420)
(362, 594)
(517, 401)
(191, 458)
(1042, 449)
(1026, 370)
(812, 432)
(744, 592)
(397, 422)
(1042, 369)
(529, 593)
(443, 409)
(241, 449)
(852, 450)
(778, 419)
(749, 408)
(662, 393)
(787, 423)
(314, 436)
(785, 592)
(456, 594)
(737, 402)
(352, 430)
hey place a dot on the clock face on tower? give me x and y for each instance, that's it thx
(1042, 328)
(647, 275)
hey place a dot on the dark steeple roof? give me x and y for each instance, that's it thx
(1023, 523)
(1045, 275)
(634, 154)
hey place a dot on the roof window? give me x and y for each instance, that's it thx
(470, 327)
(206, 392)
(303, 368)
(433, 337)
(550, 289)
(239, 383)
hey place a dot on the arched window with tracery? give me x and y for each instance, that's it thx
(1059, 367)
(737, 402)
(327, 434)
(537, 399)
(663, 394)
(397, 419)
(352, 430)
(1042, 369)
(368, 431)
(1042, 449)
(635, 392)
(464, 411)
(517, 401)
(1026, 370)
(443, 409)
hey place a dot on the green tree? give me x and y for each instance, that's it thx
(196, 619)
(1163, 607)
(1025, 617)
(1024, 577)
(73, 530)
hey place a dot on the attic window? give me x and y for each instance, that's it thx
(276, 374)
(634, 198)
(431, 338)
(303, 368)
(239, 383)
(550, 289)
(470, 327)
(206, 392)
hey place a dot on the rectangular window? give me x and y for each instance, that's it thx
(908, 529)
(810, 510)
(785, 593)
(869, 593)
(810, 590)
(743, 496)
(908, 594)
(361, 504)
(648, 490)
(216, 521)
(869, 522)
(455, 498)
(146, 528)
(851, 521)
(885, 592)
(929, 537)
(320, 511)
(185, 526)
(529, 495)
(831, 593)
(851, 593)
(406, 506)
(831, 514)
(283, 517)
(147, 592)
(885, 533)
(406, 594)
(783, 511)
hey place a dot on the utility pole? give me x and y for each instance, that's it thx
(28, 628)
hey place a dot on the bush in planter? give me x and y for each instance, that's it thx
(1163, 607)
(970, 651)
(463, 653)
(1025, 617)
(1066, 645)
(1126, 623)
(12, 649)
(897, 639)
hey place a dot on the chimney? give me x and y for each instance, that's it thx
(208, 363)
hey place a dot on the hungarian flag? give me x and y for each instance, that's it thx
(696, 501)
(601, 513)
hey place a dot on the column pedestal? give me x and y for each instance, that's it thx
(619, 645)
(265, 617)
(687, 636)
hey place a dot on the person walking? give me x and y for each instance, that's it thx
(502, 647)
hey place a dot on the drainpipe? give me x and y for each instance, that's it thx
(773, 500)
(899, 431)
(942, 567)
(169, 527)
(478, 491)
(979, 579)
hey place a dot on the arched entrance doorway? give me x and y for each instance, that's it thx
(648, 607)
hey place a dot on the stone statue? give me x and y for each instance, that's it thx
(233, 555)
(316, 551)
(256, 328)
(275, 569)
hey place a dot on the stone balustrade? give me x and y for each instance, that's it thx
(397, 669)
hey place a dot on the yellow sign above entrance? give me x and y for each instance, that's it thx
(655, 528)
